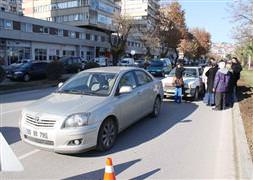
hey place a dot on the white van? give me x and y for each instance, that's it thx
(127, 62)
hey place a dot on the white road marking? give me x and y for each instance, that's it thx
(9, 161)
(28, 154)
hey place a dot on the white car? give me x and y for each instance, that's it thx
(193, 85)
(127, 62)
(90, 109)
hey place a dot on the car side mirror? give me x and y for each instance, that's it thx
(125, 90)
(60, 84)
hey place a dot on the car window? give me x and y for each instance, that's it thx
(37, 66)
(128, 80)
(90, 83)
(142, 78)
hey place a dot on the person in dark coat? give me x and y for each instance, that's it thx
(231, 86)
(220, 86)
(236, 68)
(179, 83)
(210, 74)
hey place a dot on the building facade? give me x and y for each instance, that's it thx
(12, 6)
(142, 11)
(29, 38)
(81, 13)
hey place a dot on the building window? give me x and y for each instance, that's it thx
(7, 24)
(95, 38)
(16, 25)
(102, 39)
(45, 30)
(53, 31)
(72, 34)
(87, 36)
(65, 33)
(37, 28)
(77, 35)
(40, 54)
(29, 27)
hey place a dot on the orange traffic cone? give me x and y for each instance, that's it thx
(109, 171)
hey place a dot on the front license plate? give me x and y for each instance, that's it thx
(36, 134)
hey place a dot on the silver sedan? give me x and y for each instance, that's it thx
(89, 110)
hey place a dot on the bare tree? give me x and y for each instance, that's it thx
(172, 27)
(118, 39)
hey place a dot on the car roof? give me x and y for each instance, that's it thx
(112, 69)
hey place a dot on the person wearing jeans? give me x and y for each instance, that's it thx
(210, 74)
(179, 83)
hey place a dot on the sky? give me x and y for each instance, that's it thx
(213, 15)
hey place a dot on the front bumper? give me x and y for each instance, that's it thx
(170, 91)
(58, 140)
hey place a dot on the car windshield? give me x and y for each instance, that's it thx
(90, 83)
(187, 73)
(156, 64)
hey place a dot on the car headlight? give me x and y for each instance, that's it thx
(77, 120)
(18, 72)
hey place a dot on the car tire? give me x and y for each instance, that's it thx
(196, 94)
(156, 107)
(107, 135)
(27, 77)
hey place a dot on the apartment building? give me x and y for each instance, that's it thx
(29, 38)
(12, 6)
(82, 13)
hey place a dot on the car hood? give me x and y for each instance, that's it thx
(64, 104)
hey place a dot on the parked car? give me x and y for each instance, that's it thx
(158, 68)
(102, 61)
(168, 62)
(90, 109)
(139, 63)
(28, 71)
(193, 85)
(72, 64)
(126, 62)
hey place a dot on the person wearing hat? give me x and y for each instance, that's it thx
(221, 81)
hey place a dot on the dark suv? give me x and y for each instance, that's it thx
(72, 64)
(28, 71)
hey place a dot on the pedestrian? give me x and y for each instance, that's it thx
(179, 82)
(231, 86)
(210, 83)
(236, 68)
(204, 79)
(220, 86)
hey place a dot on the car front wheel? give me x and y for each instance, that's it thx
(107, 135)
(156, 107)
(27, 77)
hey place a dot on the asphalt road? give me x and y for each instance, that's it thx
(188, 140)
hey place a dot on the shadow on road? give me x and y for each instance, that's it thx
(146, 175)
(149, 128)
(98, 174)
(11, 134)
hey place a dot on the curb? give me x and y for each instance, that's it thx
(243, 159)
(27, 89)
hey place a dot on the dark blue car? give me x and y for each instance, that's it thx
(28, 71)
